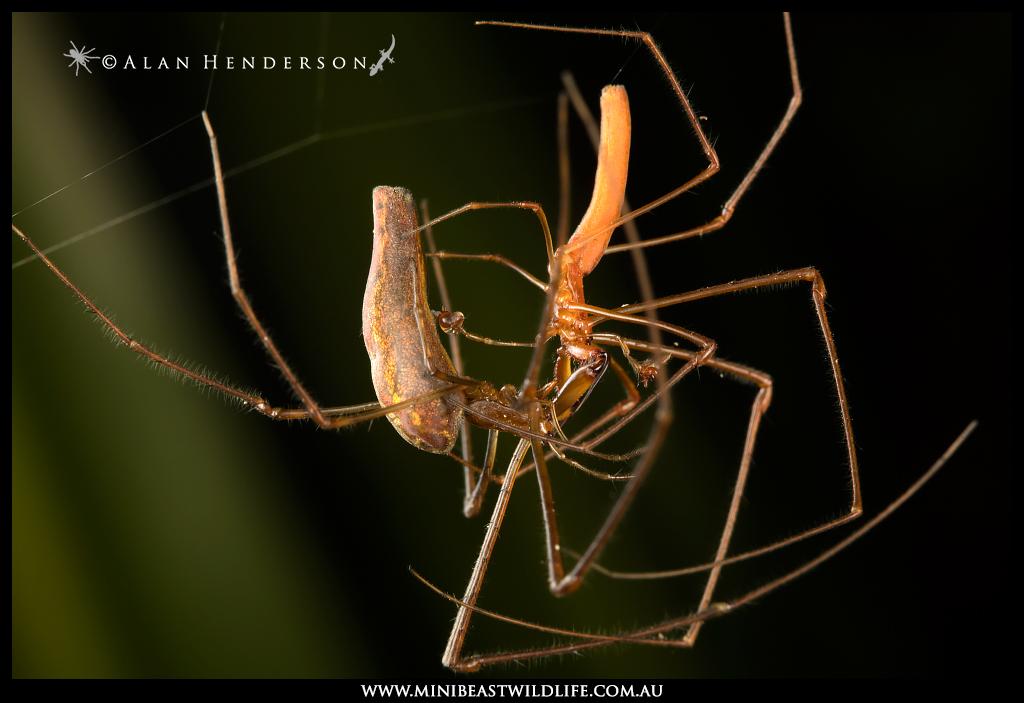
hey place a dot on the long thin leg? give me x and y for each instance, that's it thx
(476, 491)
(453, 652)
(334, 417)
(453, 323)
(489, 341)
(123, 338)
(818, 293)
(238, 293)
(807, 275)
(652, 635)
(493, 258)
(490, 421)
(763, 381)
(561, 583)
(530, 381)
(744, 373)
(452, 656)
(313, 408)
(533, 207)
(760, 405)
(632, 394)
(706, 146)
(804, 275)
(465, 439)
(453, 649)
(730, 205)
(648, 41)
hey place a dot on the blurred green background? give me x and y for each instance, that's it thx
(159, 531)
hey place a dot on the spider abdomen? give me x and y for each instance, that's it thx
(407, 358)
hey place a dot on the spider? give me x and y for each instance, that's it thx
(80, 58)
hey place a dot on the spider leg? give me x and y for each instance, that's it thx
(729, 208)
(453, 649)
(708, 149)
(341, 416)
(493, 258)
(560, 582)
(471, 491)
(242, 299)
(648, 41)
(654, 635)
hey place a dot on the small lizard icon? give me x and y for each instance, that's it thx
(384, 56)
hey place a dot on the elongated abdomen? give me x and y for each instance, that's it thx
(590, 239)
(396, 293)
